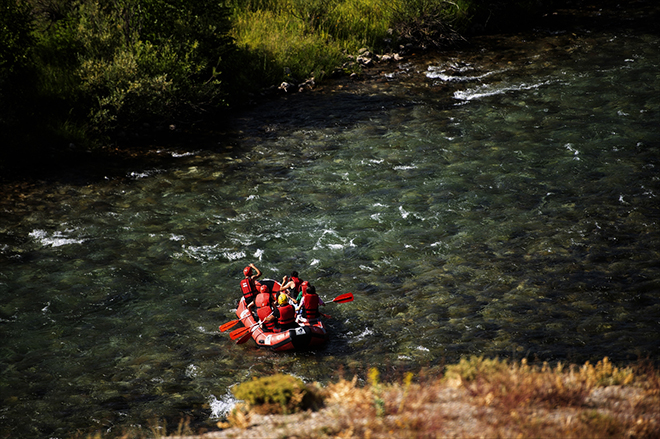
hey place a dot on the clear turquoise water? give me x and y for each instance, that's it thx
(493, 202)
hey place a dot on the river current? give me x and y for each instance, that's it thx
(497, 201)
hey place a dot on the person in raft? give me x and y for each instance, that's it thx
(248, 285)
(264, 304)
(309, 305)
(291, 285)
(286, 314)
(303, 288)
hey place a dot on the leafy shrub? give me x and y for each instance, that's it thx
(278, 393)
(431, 23)
(153, 61)
(100, 66)
(16, 47)
(468, 369)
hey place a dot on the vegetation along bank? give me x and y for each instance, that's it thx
(78, 75)
(475, 398)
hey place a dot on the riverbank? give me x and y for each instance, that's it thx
(475, 398)
(63, 154)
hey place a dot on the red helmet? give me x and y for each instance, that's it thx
(247, 271)
(263, 289)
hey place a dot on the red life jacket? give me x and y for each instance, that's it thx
(310, 306)
(297, 281)
(262, 300)
(287, 316)
(249, 289)
(264, 312)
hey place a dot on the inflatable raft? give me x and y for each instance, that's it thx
(306, 335)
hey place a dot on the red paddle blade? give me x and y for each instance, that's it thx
(228, 325)
(342, 298)
(238, 333)
(245, 338)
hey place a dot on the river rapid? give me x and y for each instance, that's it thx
(502, 200)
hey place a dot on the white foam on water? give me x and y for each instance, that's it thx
(330, 239)
(494, 89)
(569, 146)
(56, 239)
(441, 75)
(184, 154)
(221, 407)
(207, 253)
(366, 333)
(192, 371)
(144, 174)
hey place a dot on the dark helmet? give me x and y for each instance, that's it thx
(247, 271)
(263, 289)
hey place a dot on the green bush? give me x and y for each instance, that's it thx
(100, 66)
(151, 61)
(278, 393)
(431, 23)
(16, 70)
(468, 369)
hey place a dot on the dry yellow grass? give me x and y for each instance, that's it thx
(476, 398)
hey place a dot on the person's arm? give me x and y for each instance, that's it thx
(287, 288)
(255, 276)
(292, 299)
(300, 305)
(287, 284)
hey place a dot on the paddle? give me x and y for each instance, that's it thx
(228, 325)
(238, 333)
(343, 298)
(245, 338)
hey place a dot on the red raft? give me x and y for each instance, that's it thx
(306, 335)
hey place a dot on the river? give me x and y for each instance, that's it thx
(500, 200)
